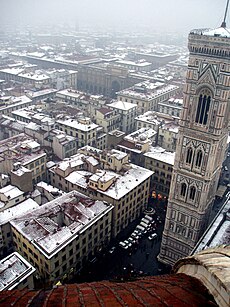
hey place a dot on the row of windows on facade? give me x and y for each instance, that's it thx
(162, 181)
(178, 246)
(36, 163)
(103, 232)
(161, 165)
(217, 52)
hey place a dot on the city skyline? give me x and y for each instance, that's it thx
(169, 16)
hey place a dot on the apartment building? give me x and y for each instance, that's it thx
(10, 196)
(167, 136)
(108, 118)
(149, 119)
(87, 103)
(57, 78)
(63, 145)
(10, 127)
(22, 150)
(161, 163)
(114, 137)
(165, 125)
(82, 129)
(146, 95)
(9, 213)
(48, 192)
(172, 107)
(16, 273)
(60, 236)
(41, 95)
(102, 139)
(20, 75)
(137, 143)
(9, 104)
(106, 175)
(127, 112)
(41, 127)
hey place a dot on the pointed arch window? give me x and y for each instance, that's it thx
(189, 155)
(192, 193)
(203, 109)
(199, 157)
(183, 189)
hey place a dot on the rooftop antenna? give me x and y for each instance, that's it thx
(223, 25)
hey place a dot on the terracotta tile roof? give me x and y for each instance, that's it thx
(105, 110)
(127, 144)
(168, 290)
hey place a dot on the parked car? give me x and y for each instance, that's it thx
(140, 228)
(131, 240)
(147, 217)
(129, 244)
(112, 249)
(143, 224)
(152, 236)
(136, 236)
(123, 245)
(146, 221)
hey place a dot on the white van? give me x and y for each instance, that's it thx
(145, 221)
(139, 227)
(123, 245)
(144, 224)
(147, 217)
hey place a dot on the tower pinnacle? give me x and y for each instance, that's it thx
(223, 25)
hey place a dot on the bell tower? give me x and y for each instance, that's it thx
(202, 142)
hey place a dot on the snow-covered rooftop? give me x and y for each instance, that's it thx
(21, 171)
(73, 123)
(122, 105)
(141, 135)
(13, 212)
(148, 90)
(13, 270)
(45, 232)
(11, 191)
(79, 178)
(71, 162)
(154, 118)
(160, 154)
(118, 154)
(218, 232)
(218, 32)
(127, 182)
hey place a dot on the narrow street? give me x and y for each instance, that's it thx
(138, 260)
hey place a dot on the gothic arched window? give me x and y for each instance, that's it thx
(189, 155)
(192, 193)
(199, 157)
(203, 109)
(183, 189)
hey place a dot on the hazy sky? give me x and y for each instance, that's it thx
(160, 15)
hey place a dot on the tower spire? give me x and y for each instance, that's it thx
(223, 25)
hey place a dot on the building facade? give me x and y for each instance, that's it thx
(106, 176)
(146, 95)
(161, 162)
(202, 142)
(59, 237)
(127, 112)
